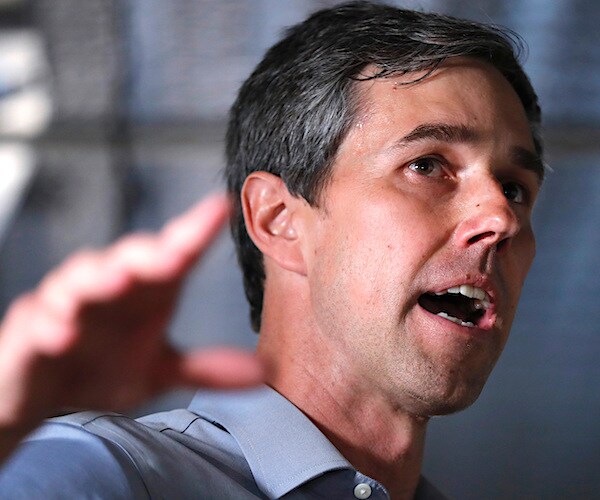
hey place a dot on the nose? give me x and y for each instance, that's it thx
(489, 219)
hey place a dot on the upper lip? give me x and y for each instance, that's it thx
(488, 303)
(481, 282)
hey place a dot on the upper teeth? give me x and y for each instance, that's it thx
(468, 291)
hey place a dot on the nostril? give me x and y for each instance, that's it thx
(481, 236)
(501, 244)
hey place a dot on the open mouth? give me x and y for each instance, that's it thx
(465, 305)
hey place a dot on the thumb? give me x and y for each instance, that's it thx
(222, 368)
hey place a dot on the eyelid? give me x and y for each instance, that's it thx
(440, 161)
(524, 192)
(530, 187)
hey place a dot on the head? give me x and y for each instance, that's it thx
(295, 110)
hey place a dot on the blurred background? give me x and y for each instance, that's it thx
(112, 116)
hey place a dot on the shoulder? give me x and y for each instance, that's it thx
(63, 460)
(107, 455)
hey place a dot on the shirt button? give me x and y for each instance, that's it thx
(362, 491)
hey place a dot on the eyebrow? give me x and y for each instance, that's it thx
(439, 132)
(529, 161)
(443, 132)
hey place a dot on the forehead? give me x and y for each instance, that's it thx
(462, 92)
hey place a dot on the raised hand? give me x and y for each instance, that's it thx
(92, 335)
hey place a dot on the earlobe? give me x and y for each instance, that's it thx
(270, 214)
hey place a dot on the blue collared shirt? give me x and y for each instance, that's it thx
(226, 445)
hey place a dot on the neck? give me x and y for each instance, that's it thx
(381, 441)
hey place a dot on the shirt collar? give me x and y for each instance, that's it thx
(283, 448)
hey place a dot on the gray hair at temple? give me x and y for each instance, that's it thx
(295, 109)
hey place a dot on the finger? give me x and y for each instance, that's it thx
(190, 234)
(169, 254)
(99, 275)
(218, 368)
(144, 257)
(52, 334)
(85, 277)
(30, 328)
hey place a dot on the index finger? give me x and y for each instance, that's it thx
(191, 233)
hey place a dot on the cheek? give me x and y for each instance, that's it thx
(531, 246)
(524, 249)
(373, 257)
(515, 273)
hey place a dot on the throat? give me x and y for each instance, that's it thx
(394, 459)
(371, 433)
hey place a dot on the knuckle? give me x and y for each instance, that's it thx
(132, 244)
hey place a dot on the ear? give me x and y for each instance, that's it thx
(271, 215)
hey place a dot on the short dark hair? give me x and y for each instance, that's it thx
(295, 109)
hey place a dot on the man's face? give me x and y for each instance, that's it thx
(431, 190)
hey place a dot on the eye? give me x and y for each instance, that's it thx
(428, 166)
(514, 192)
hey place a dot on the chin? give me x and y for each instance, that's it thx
(445, 400)
(448, 407)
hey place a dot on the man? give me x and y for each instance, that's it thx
(384, 164)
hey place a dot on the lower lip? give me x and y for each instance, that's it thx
(485, 325)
